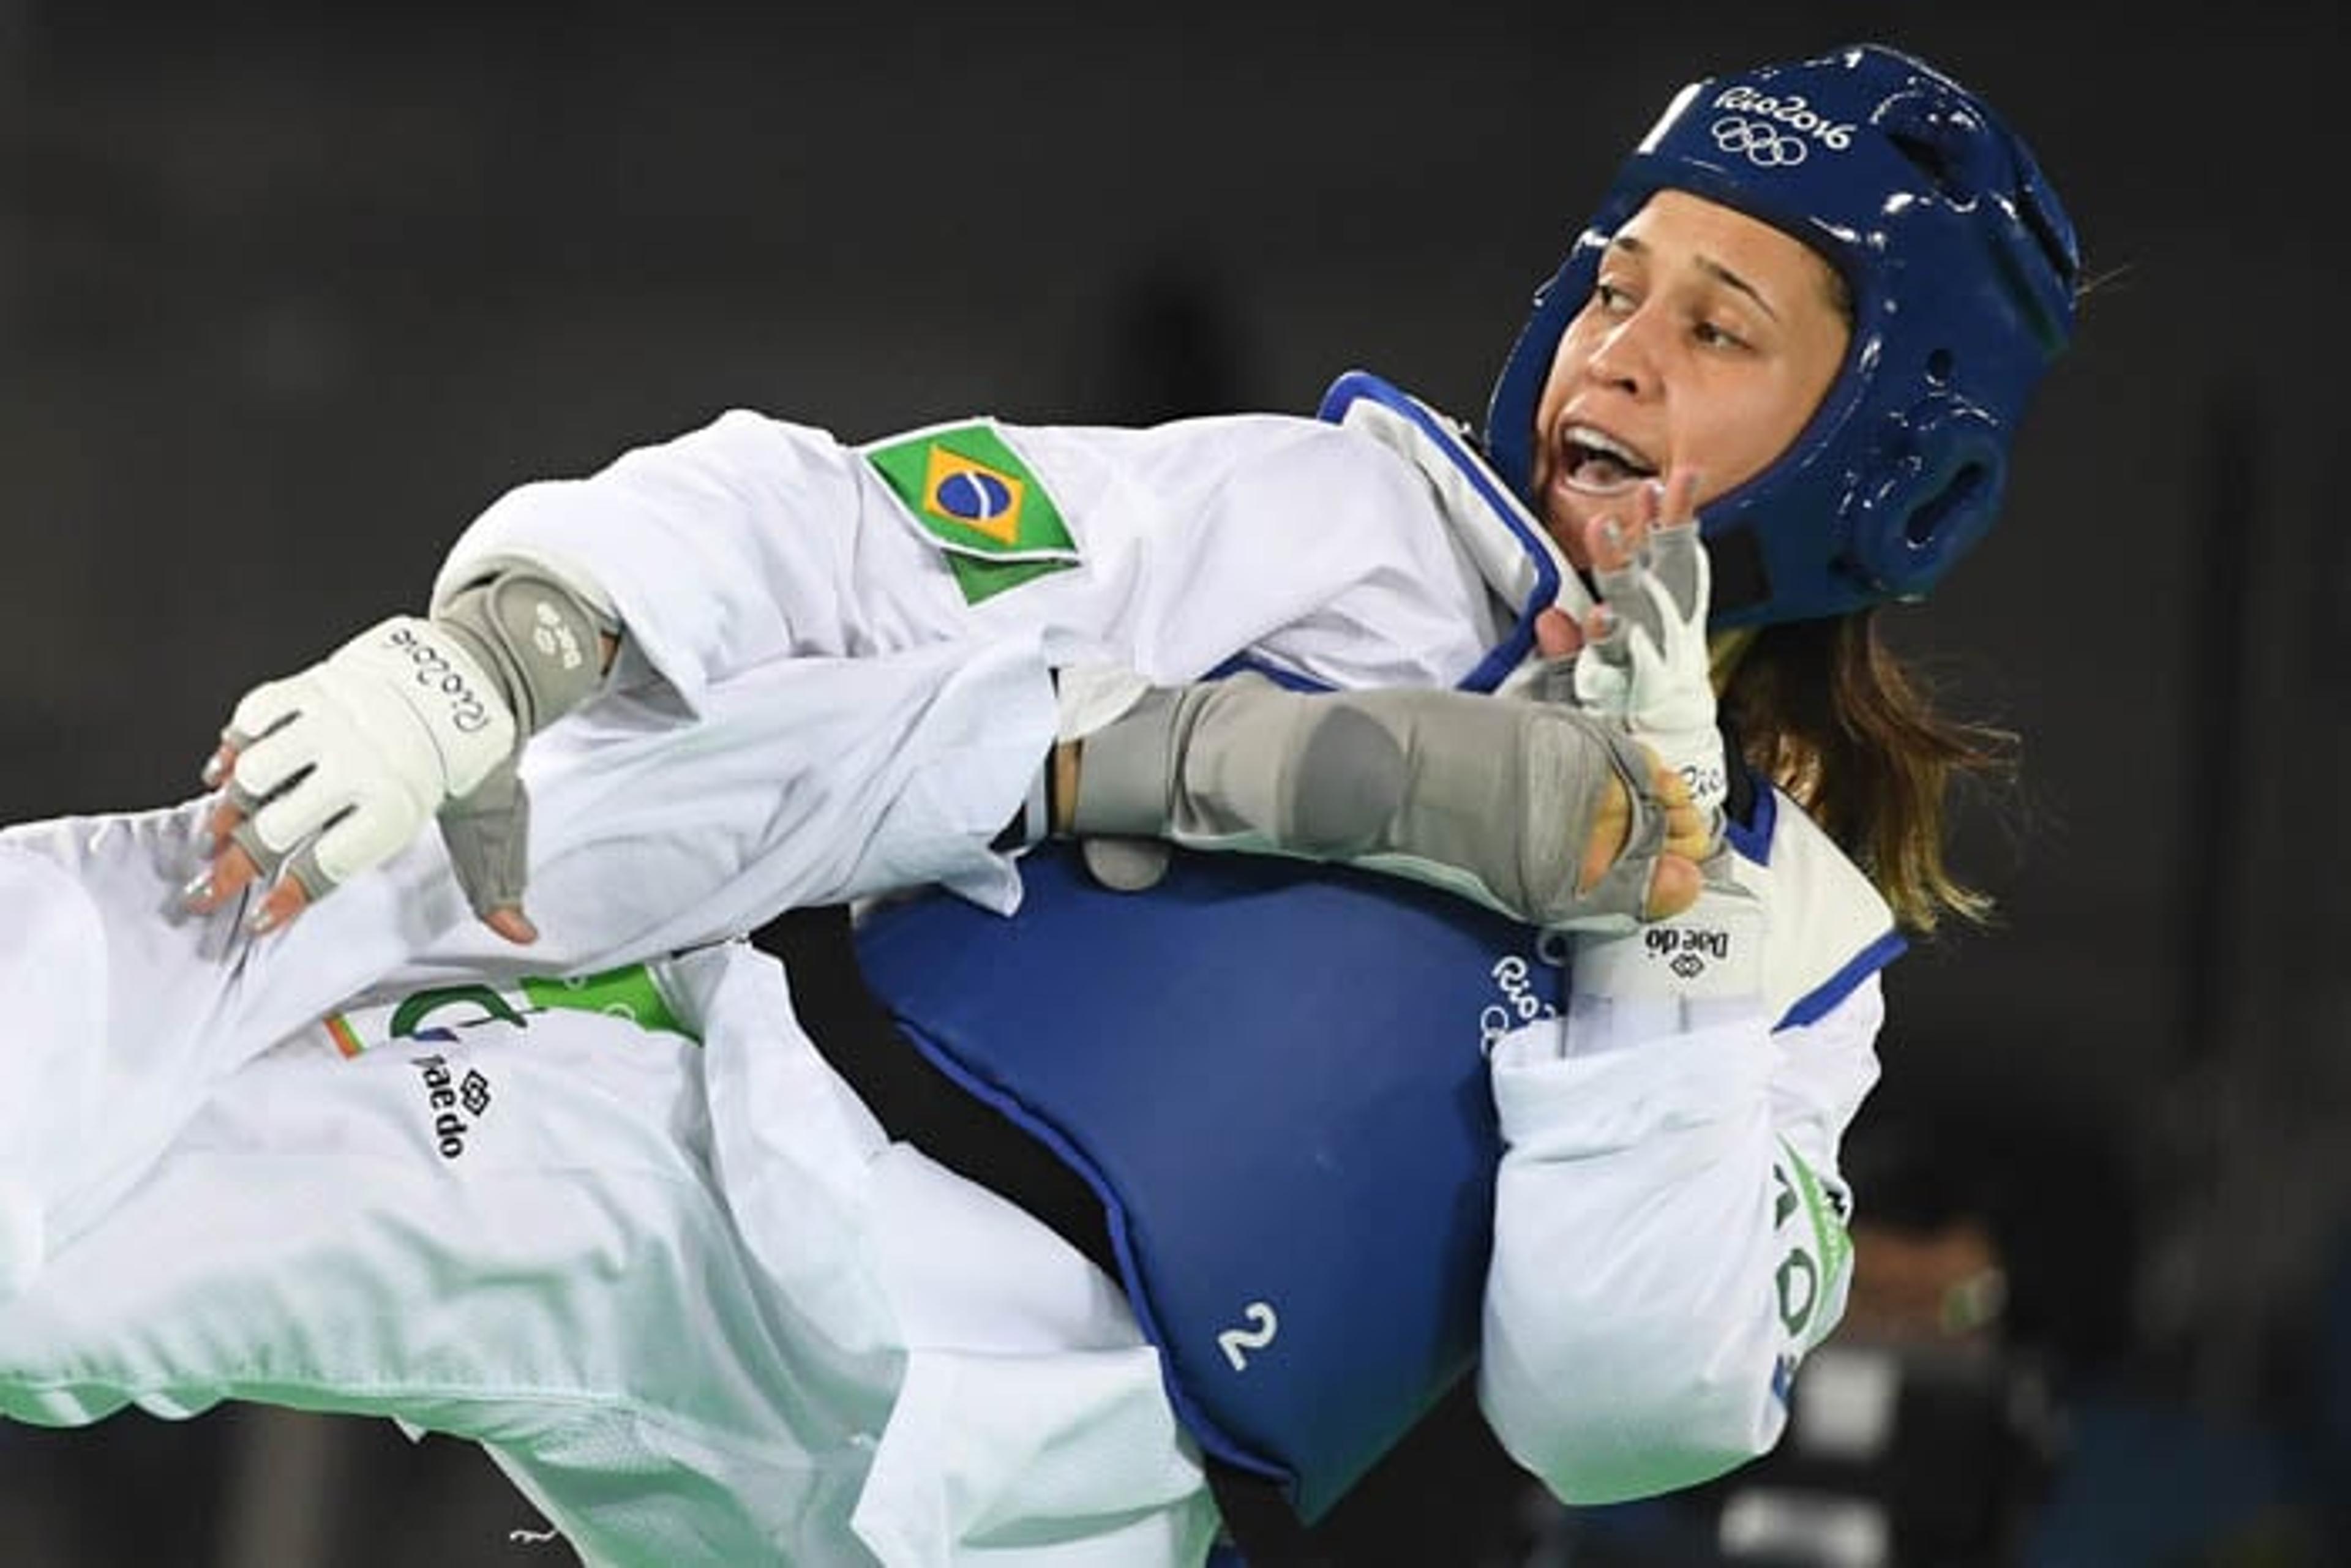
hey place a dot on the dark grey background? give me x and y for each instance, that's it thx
(288, 293)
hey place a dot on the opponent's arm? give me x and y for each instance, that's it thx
(334, 771)
(750, 542)
(1533, 808)
(1546, 810)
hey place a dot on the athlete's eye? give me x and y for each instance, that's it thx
(1714, 335)
(1612, 297)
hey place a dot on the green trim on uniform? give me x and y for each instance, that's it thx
(983, 579)
(631, 992)
(1828, 1227)
(966, 487)
(628, 992)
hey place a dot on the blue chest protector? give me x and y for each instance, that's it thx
(1272, 1074)
(1283, 1108)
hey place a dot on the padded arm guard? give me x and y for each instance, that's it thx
(1490, 799)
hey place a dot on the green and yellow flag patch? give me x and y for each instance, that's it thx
(969, 490)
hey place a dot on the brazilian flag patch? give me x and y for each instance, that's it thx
(971, 491)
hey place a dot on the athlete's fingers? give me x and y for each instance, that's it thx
(1674, 886)
(512, 924)
(1645, 517)
(1686, 837)
(1557, 636)
(1688, 841)
(225, 816)
(1685, 825)
(280, 906)
(1616, 571)
(1609, 541)
(227, 874)
(1677, 498)
(234, 870)
(1611, 829)
(1675, 881)
(1685, 832)
(1646, 503)
(218, 771)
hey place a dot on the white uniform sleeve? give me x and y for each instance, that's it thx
(717, 549)
(752, 539)
(807, 781)
(1669, 1243)
(811, 781)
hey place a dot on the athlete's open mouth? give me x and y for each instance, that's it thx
(1596, 463)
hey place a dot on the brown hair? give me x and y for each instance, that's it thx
(1831, 714)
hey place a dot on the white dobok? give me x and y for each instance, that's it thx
(680, 1283)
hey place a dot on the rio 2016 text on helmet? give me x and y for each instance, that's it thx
(1961, 267)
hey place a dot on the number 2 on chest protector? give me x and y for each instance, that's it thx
(1238, 1342)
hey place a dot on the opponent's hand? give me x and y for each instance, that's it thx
(335, 770)
(1643, 653)
(331, 772)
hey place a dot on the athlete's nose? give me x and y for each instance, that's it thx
(1623, 359)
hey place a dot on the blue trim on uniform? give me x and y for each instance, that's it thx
(1512, 651)
(1289, 680)
(1195, 1420)
(1815, 1005)
(1754, 840)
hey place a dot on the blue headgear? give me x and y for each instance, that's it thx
(1961, 267)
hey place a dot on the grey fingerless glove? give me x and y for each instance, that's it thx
(543, 643)
(539, 641)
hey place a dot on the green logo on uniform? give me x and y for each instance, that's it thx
(629, 992)
(967, 487)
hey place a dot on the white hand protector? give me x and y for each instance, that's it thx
(1651, 669)
(341, 766)
(338, 767)
(1492, 798)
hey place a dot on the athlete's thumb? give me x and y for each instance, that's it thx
(488, 837)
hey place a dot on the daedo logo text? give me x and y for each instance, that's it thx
(454, 1101)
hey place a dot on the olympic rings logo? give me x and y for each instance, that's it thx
(1792, 111)
(1763, 145)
